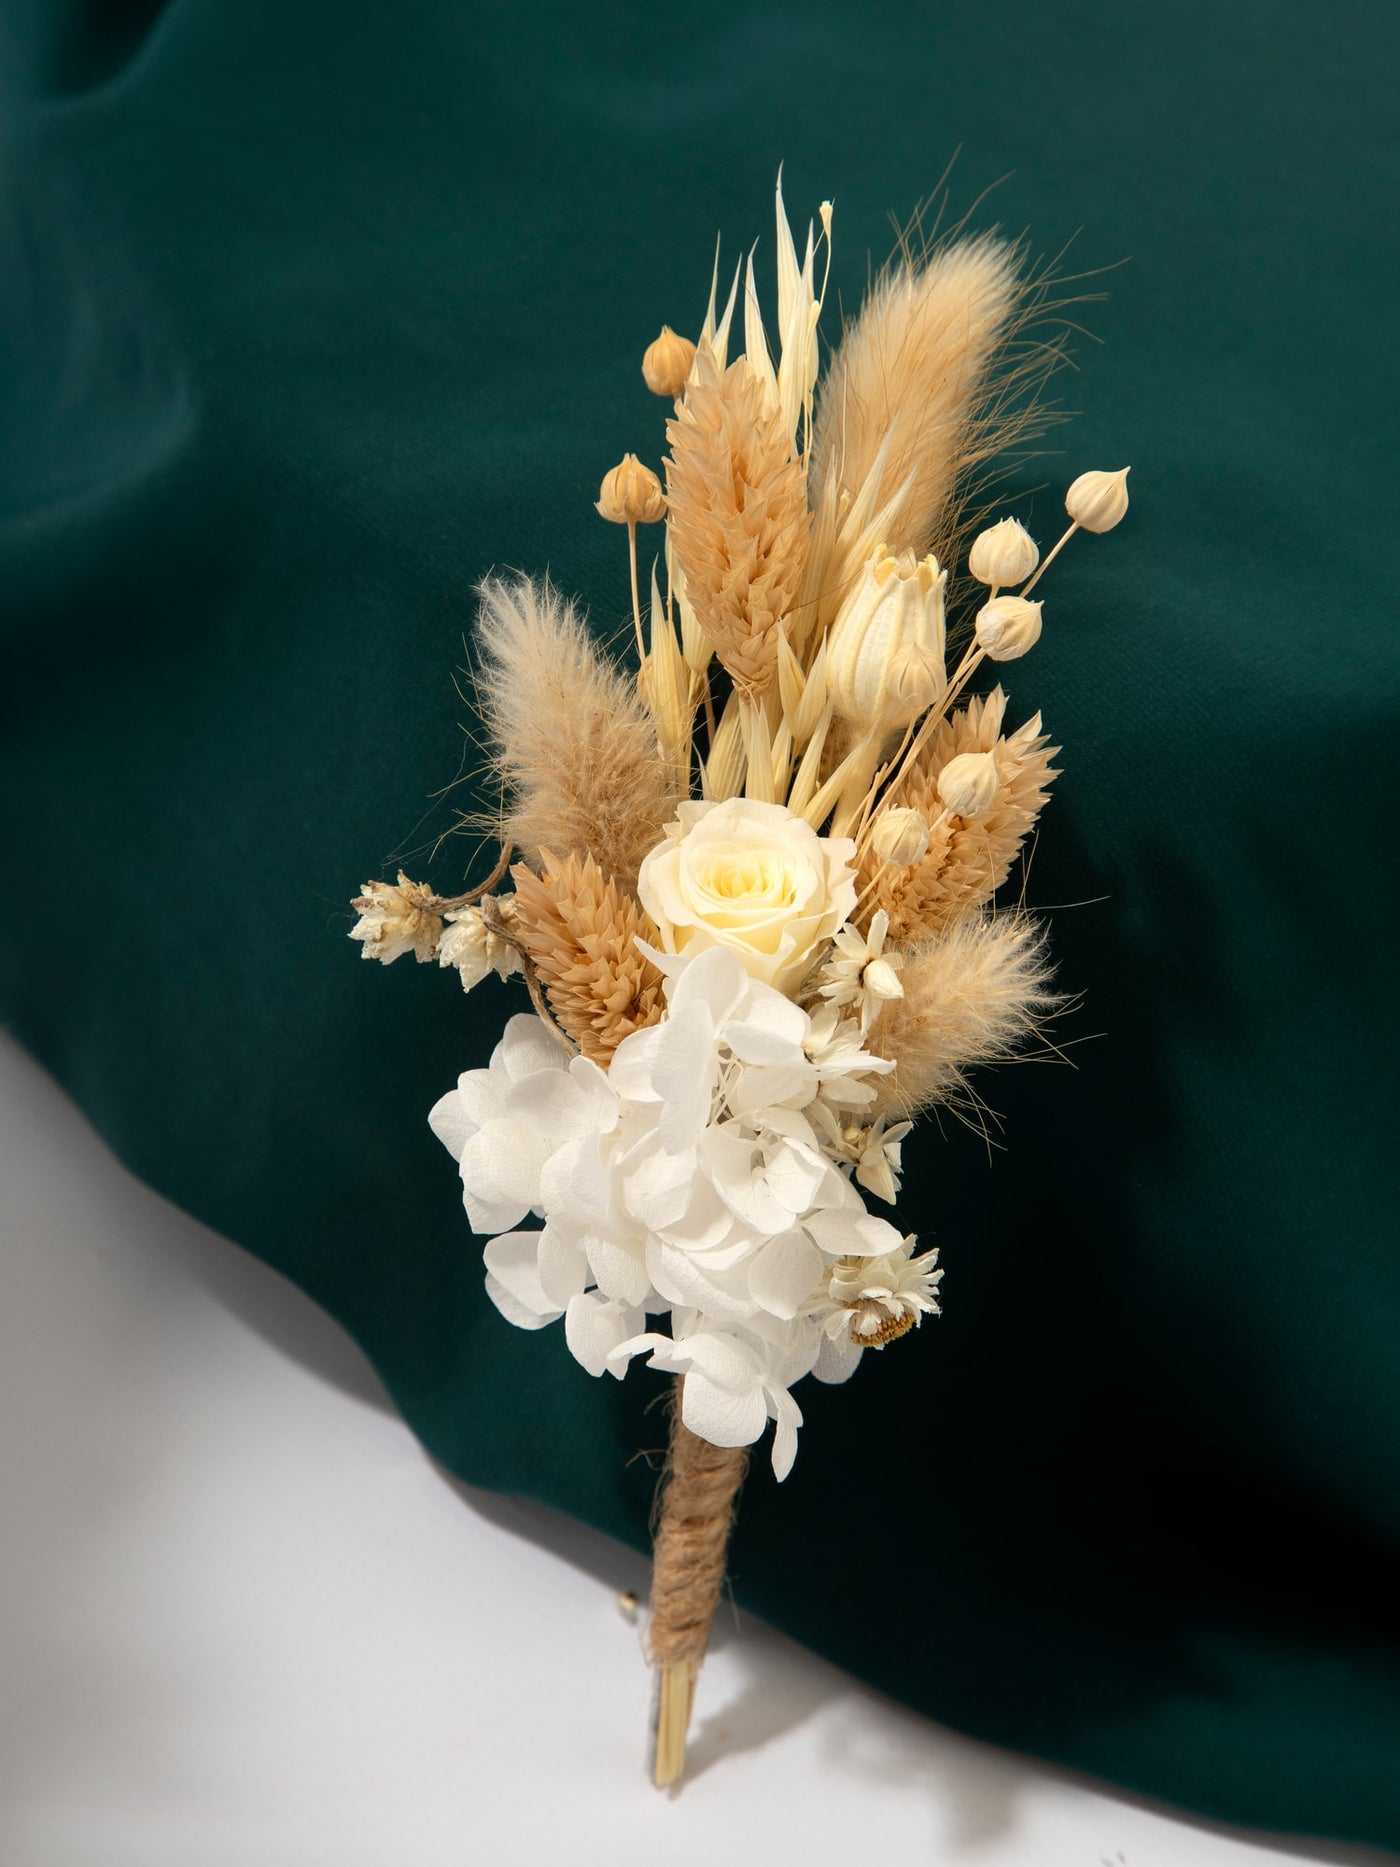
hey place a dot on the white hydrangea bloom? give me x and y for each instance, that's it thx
(706, 1173)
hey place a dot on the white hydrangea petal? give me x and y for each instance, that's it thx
(784, 1273)
(837, 1359)
(554, 1105)
(684, 1279)
(563, 1269)
(512, 1262)
(659, 1347)
(845, 1233)
(656, 1186)
(770, 1030)
(595, 1328)
(714, 979)
(482, 1095)
(722, 1415)
(527, 1049)
(787, 1417)
(500, 1167)
(619, 1273)
(597, 1099)
(574, 1183)
(449, 1122)
(762, 1086)
(634, 1063)
(515, 1311)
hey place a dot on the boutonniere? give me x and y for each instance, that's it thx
(749, 885)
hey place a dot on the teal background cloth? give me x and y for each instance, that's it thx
(309, 316)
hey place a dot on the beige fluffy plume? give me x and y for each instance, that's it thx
(968, 859)
(921, 392)
(738, 515)
(974, 996)
(581, 932)
(572, 742)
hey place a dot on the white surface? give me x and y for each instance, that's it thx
(243, 1619)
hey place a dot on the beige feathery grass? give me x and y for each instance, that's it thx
(932, 379)
(581, 933)
(968, 858)
(573, 744)
(737, 502)
(972, 997)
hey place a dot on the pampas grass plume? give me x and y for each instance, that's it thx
(569, 737)
(972, 997)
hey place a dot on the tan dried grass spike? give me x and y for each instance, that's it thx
(935, 377)
(570, 739)
(968, 859)
(972, 997)
(581, 931)
(738, 516)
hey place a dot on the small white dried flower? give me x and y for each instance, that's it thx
(859, 972)
(876, 1153)
(395, 920)
(1003, 554)
(667, 362)
(885, 649)
(471, 946)
(900, 837)
(1008, 627)
(968, 784)
(876, 1300)
(631, 494)
(1097, 501)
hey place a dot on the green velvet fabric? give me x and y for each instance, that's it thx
(311, 315)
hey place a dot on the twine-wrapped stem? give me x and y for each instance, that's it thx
(698, 1497)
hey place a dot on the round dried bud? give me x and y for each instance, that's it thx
(1008, 628)
(1003, 554)
(631, 494)
(666, 365)
(968, 784)
(881, 980)
(1097, 501)
(900, 837)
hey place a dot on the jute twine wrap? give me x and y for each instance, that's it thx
(695, 1513)
(699, 1494)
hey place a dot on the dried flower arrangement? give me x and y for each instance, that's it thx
(752, 884)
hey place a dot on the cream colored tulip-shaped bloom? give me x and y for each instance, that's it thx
(885, 652)
(751, 877)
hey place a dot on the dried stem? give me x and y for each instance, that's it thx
(449, 904)
(698, 1497)
(497, 925)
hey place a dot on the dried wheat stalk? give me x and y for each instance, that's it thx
(738, 515)
(968, 859)
(581, 933)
